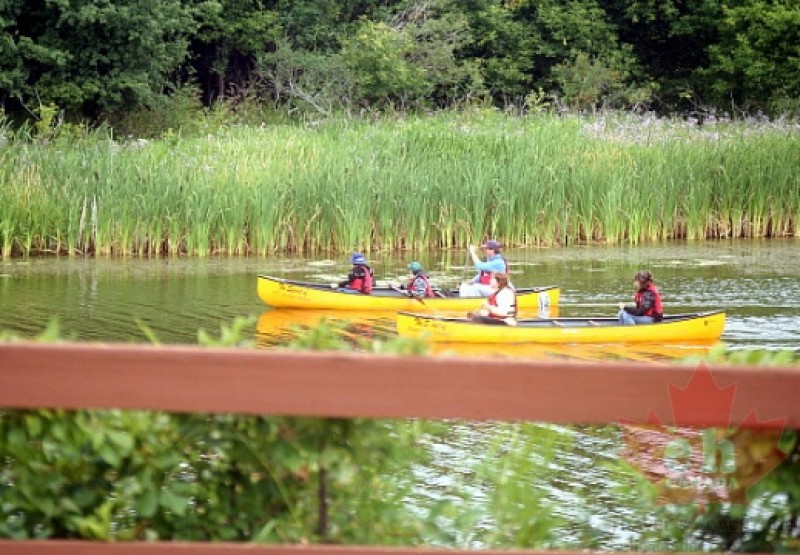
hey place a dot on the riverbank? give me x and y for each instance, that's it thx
(413, 183)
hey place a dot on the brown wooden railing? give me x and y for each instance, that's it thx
(193, 379)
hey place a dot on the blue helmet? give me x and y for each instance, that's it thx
(415, 267)
(358, 258)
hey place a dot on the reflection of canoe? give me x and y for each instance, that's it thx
(284, 293)
(641, 352)
(706, 326)
(284, 321)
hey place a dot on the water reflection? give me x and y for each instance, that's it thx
(276, 327)
(565, 482)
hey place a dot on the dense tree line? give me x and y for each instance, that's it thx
(93, 58)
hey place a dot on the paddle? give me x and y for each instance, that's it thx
(472, 255)
(464, 273)
(406, 293)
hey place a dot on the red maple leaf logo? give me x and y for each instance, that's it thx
(703, 465)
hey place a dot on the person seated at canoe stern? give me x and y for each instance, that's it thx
(360, 279)
(648, 307)
(501, 306)
(479, 285)
(419, 284)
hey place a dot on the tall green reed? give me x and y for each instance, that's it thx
(413, 183)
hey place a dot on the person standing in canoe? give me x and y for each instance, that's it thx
(419, 285)
(495, 263)
(648, 307)
(360, 279)
(501, 306)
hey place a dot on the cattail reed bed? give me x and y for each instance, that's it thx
(420, 182)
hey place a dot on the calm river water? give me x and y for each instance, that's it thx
(756, 282)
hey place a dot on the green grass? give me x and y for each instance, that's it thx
(412, 183)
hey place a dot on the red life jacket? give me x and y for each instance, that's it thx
(424, 277)
(655, 311)
(361, 282)
(492, 300)
(485, 276)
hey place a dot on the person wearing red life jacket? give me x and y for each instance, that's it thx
(360, 279)
(479, 285)
(501, 306)
(419, 285)
(648, 307)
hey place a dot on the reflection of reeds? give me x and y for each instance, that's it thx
(441, 181)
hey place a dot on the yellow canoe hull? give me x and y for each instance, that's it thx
(282, 293)
(701, 327)
(276, 326)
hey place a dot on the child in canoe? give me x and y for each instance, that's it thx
(419, 285)
(360, 279)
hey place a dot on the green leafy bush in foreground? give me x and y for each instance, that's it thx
(144, 475)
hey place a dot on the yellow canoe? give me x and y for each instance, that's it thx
(277, 326)
(699, 327)
(284, 293)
